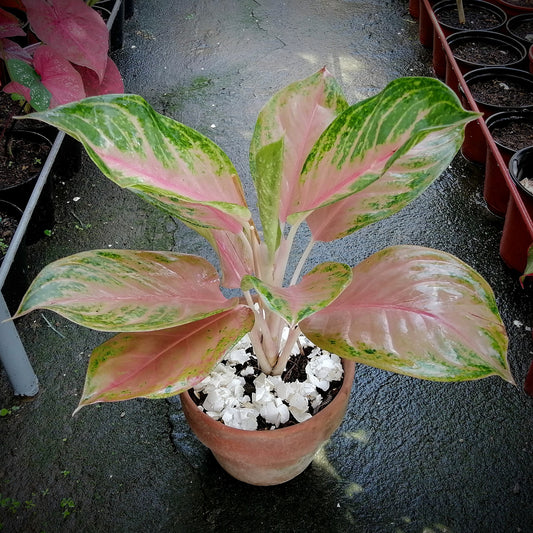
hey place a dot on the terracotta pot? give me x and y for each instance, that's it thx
(269, 457)
(517, 237)
(480, 40)
(496, 191)
(446, 6)
(474, 146)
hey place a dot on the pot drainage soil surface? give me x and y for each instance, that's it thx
(485, 53)
(514, 134)
(502, 92)
(476, 19)
(20, 159)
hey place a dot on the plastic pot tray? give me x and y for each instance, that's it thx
(517, 233)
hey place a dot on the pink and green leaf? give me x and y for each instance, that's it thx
(27, 83)
(378, 141)
(419, 312)
(58, 76)
(286, 130)
(168, 164)
(162, 363)
(234, 252)
(401, 183)
(123, 290)
(317, 289)
(73, 30)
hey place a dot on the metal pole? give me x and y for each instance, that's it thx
(14, 357)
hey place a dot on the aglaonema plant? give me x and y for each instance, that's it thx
(314, 160)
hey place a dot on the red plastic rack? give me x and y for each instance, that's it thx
(517, 235)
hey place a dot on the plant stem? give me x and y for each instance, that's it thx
(261, 337)
(301, 262)
(294, 333)
(461, 10)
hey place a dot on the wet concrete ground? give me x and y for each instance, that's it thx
(411, 456)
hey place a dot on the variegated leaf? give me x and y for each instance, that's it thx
(401, 183)
(286, 130)
(162, 363)
(123, 290)
(169, 164)
(416, 311)
(379, 140)
(317, 289)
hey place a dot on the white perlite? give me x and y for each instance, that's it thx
(273, 399)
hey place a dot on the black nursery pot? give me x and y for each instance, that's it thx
(521, 170)
(504, 85)
(478, 48)
(11, 211)
(20, 141)
(520, 27)
(495, 189)
(479, 15)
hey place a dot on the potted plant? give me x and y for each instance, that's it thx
(314, 159)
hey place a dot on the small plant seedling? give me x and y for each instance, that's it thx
(68, 505)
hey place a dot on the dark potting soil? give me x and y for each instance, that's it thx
(514, 134)
(476, 18)
(295, 371)
(484, 52)
(8, 226)
(505, 92)
(21, 158)
(524, 30)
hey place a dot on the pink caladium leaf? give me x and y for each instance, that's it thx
(286, 130)
(123, 290)
(169, 164)
(163, 363)
(58, 76)
(111, 84)
(317, 289)
(73, 30)
(10, 25)
(419, 312)
(378, 142)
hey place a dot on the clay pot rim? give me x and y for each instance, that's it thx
(487, 35)
(275, 434)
